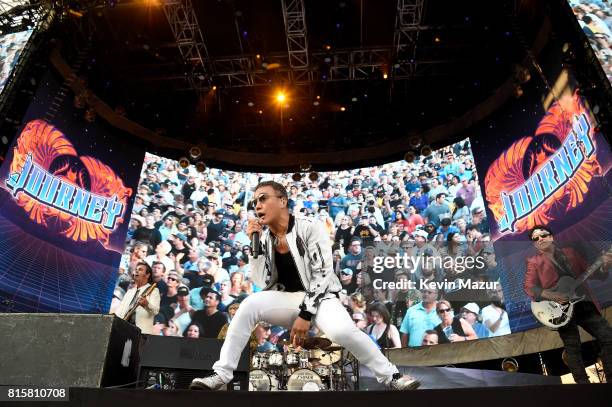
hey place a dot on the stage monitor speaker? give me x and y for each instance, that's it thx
(168, 362)
(67, 350)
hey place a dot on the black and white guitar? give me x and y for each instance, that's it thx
(555, 315)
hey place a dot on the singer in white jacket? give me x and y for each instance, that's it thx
(295, 266)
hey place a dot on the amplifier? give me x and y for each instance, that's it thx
(168, 362)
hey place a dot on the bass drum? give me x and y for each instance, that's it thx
(304, 380)
(262, 381)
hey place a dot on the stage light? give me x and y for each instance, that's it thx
(90, 115)
(214, 87)
(385, 76)
(437, 40)
(327, 47)
(426, 151)
(313, 176)
(195, 152)
(318, 97)
(200, 166)
(518, 91)
(183, 162)
(409, 157)
(510, 365)
(281, 97)
(414, 141)
(260, 112)
(296, 177)
(342, 109)
(258, 56)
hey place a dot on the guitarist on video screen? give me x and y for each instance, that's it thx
(543, 272)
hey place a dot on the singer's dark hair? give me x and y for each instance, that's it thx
(282, 192)
(148, 270)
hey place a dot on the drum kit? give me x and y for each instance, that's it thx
(319, 365)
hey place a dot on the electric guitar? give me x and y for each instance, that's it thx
(555, 315)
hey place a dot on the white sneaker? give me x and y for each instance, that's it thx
(212, 382)
(404, 382)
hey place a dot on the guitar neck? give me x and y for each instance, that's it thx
(593, 268)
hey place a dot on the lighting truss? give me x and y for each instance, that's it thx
(405, 38)
(184, 25)
(294, 16)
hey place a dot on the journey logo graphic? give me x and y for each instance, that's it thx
(539, 178)
(80, 197)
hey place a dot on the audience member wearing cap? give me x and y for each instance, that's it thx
(349, 283)
(471, 313)
(182, 316)
(172, 282)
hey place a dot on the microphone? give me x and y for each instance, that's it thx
(255, 244)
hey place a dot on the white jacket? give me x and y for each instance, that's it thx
(144, 315)
(310, 248)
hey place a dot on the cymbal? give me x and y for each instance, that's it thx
(316, 343)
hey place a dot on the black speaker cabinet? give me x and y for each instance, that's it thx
(67, 350)
(172, 362)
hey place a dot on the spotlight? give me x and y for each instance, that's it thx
(305, 167)
(120, 110)
(522, 74)
(281, 97)
(214, 87)
(409, 157)
(510, 365)
(426, 150)
(342, 109)
(414, 141)
(200, 166)
(296, 176)
(518, 91)
(90, 115)
(78, 102)
(313, 176)
(195, 152)
(385, 76)
(183, 162)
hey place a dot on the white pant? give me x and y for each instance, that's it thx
(281, 308)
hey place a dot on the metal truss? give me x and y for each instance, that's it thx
(340, 65)
(294, 16)
(190, 41)
(405, 38)
(20, 15)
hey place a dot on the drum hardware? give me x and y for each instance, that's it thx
(325, 367)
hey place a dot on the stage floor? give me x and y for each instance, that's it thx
(457, 378)
(595, 395)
